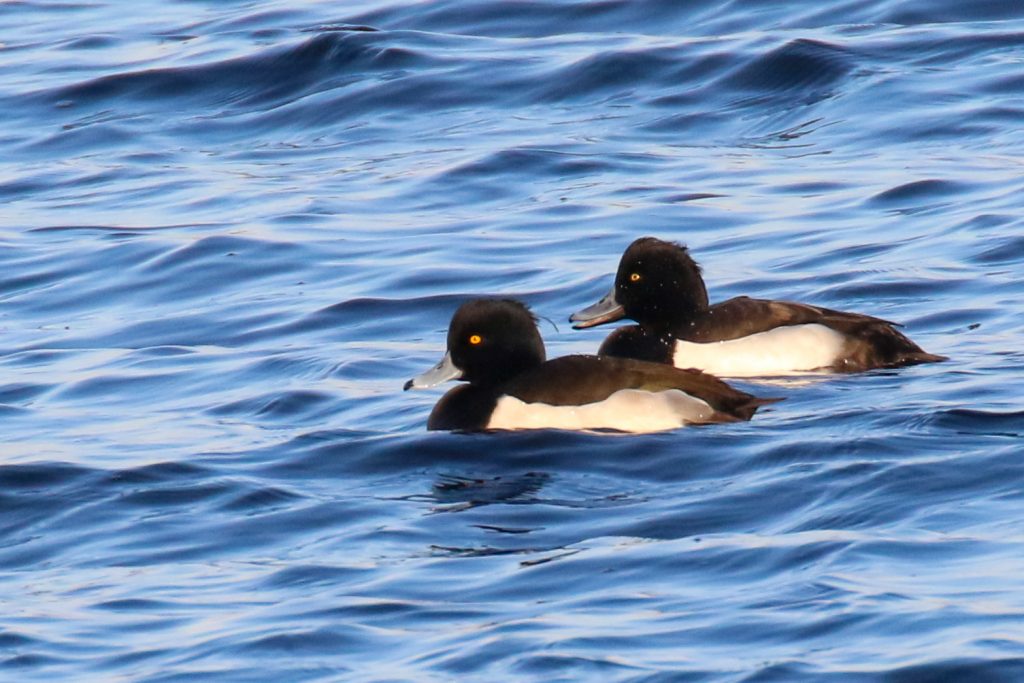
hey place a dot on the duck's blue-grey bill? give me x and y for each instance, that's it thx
(604, 311)
(442, 372)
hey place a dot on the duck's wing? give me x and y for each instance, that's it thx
(744, 316)
(578, 380)
(870, 342)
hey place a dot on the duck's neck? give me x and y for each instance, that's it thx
(672, 313)
(511, 364)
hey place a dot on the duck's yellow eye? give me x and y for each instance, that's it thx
(475, 339)
(634, 277)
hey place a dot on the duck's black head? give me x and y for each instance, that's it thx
(490, 341)
(657, 284)
(493, 340)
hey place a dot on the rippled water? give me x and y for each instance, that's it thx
(229, 231)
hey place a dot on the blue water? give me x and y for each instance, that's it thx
(230, 231)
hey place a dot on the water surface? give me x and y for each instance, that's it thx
(229, 232)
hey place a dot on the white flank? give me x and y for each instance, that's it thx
(627, 410)
(796, 348)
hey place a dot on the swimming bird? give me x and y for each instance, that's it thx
(659, 285)
(494, 345)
